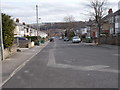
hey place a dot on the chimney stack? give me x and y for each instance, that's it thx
(23, 23)
(17, 20)
(110, 11)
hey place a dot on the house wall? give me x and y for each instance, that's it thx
(42, 34)
(117, 23)
(84, 30)
(17, 31)
(94, 31)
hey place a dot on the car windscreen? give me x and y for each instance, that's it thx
(75, 37)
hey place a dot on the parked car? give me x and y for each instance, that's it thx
(60, 38)
(88, 40)
(76, 39)
(21, 38)
(66, 39)
(51, 39)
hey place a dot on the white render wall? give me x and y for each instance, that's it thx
(84, 30)
(23, 30)
(17, 31)
(42, 34)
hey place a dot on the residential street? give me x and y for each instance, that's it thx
(63, 64)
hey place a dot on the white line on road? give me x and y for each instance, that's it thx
(116, 54)
(51, 58)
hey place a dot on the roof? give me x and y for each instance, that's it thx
(117, 12)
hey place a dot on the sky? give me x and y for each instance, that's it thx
(50, 10)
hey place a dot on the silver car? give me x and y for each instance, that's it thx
(76, 39)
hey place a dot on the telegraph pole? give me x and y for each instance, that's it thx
(37, 18)
(1, 37)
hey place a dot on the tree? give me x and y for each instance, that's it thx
(70, 25)
(8, 30)
(99, 8)
(69, 18)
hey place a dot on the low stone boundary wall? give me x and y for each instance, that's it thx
(10, 51)
(31, 44)
(112, 40)
(24, 43)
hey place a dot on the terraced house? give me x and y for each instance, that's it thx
(22, 30)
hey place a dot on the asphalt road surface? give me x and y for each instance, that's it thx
(66, 65)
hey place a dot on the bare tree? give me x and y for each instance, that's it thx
(69, 24)
(99, 7)
(69, 18)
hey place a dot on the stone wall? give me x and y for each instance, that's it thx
(10, 51)
(31, 44)
(112, 40)
(22, 43)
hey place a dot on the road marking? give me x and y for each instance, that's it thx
(96, 67)
(26, 71)
(116, 54)
(102, 68)
(73, 44)
(109, 70)
(20, 67)
(51, 58)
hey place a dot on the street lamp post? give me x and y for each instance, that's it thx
(1, 38)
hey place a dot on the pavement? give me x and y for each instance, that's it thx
(14, 63)
(66, 65)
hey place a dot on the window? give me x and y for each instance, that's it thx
(117, 19)
(27, 30)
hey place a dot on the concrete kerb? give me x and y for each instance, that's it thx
(22, 65)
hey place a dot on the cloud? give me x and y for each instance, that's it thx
(49, 10)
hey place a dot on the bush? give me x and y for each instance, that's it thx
(8, 27)
(71, 35)
(34, 39)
